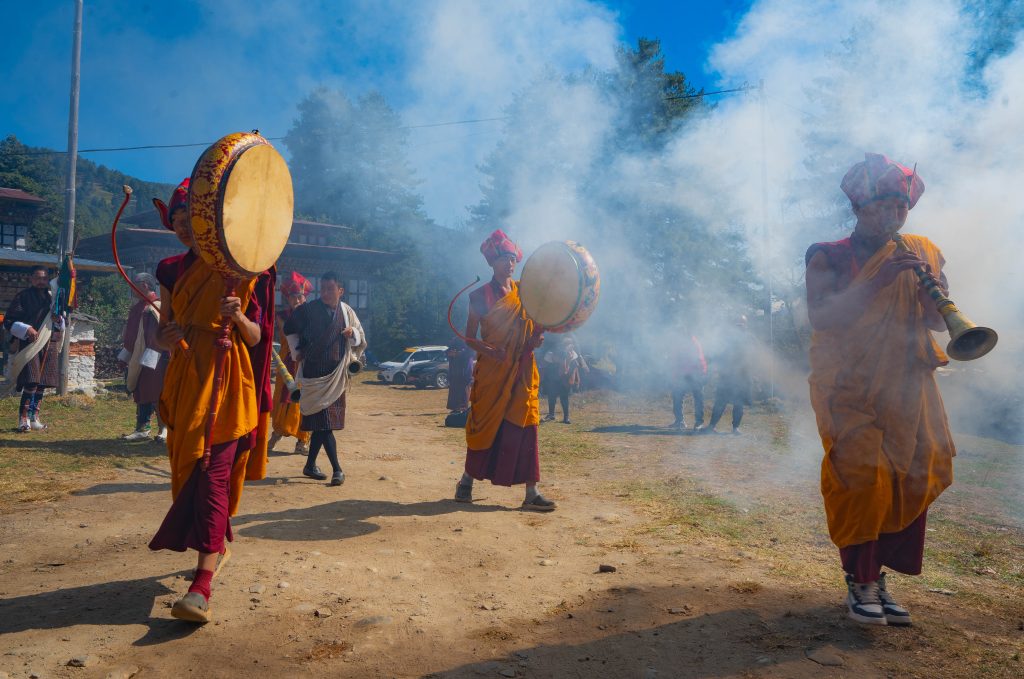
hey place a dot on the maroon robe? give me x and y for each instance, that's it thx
(902, 551)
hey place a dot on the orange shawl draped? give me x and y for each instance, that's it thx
(188, 383)
(888, 448)
(508, 389)
(285, 415)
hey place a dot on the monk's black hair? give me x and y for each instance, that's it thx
(39, 267)
(331, 276)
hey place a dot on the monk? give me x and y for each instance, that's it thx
(285, 414)
(888, 448)
(144, 359)
(203, 499)
(501, 431)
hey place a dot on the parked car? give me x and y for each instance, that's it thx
(431, 374)
(396, 371)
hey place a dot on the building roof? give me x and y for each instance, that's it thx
(29, 258)
(19, 195)
(151, 219)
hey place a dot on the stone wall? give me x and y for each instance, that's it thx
(82, 354)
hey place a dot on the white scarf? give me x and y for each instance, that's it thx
(320, 392)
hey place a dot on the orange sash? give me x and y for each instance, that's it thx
(503, 390)
(888, 448)
(188, 383)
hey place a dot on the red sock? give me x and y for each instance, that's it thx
(202, 583)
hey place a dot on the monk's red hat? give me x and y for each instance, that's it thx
(179, 198)
(498, 245)
(877, 177)
(296, 284)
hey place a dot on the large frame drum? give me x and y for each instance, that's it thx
(241, 205)
(560, 286)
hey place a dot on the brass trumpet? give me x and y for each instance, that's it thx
(289, 381)
(967, 341)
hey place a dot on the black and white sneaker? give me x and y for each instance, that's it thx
(864, 603)
(894, 613)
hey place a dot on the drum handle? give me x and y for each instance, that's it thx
(117, 260)
(222, 345)
(452, 305)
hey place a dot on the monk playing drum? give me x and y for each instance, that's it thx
(501, 432)
(203, 499)
(285, 415)
(888, 448)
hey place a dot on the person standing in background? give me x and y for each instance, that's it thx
(144, 358)
(689, 372)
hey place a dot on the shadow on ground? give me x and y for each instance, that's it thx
(629, 632)
(123, 602)
(342, 519)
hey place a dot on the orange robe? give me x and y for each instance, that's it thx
(285, 416)
(507, 390)
(888, 448)
(188, 382)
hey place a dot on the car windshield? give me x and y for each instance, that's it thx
(401, 357)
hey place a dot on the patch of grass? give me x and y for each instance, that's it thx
(679, 506)
(82, 439)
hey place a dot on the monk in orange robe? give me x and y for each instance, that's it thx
(503, 421)
(203, 499)
(285, 416)
(888, 448)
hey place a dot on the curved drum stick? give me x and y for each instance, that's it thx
(117, 259)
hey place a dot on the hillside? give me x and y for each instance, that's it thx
(42, 172)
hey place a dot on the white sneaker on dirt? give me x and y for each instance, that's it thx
(36, 425)
(894, 613)
(140, 435)
(161, 436)
(863, 602)
(23, 425)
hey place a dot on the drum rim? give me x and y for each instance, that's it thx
(221, 189)
(579, 276)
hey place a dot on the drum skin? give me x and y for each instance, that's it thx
(241, 205)
(560, 286)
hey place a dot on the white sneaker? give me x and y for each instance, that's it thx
(23, 425)
(36, 425)
(161, 436)
(142, 435)
(894, 613)
(864, 603)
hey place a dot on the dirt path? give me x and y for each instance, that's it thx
(386, 577)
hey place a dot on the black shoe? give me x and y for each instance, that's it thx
(566, 421)
(550, 417)
(463, 492)
(539, 503)
(314, 473)
(338, 478)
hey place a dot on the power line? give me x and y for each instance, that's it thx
(743, 88)
(472, 121)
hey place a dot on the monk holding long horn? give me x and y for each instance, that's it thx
(888, 448)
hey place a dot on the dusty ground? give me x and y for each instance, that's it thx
(723, 567)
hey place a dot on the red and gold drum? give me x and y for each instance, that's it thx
(560, 286)
(241, 205)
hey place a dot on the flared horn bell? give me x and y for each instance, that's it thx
(968, 341)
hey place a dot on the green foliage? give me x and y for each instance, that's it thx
(109, 299)
(349, 163)
(97, 191)
(662, 262)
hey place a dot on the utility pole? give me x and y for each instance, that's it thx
(67, 236)
(767, 243)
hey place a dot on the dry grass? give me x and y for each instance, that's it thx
(82, 441)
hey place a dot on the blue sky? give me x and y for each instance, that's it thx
(190, 71)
